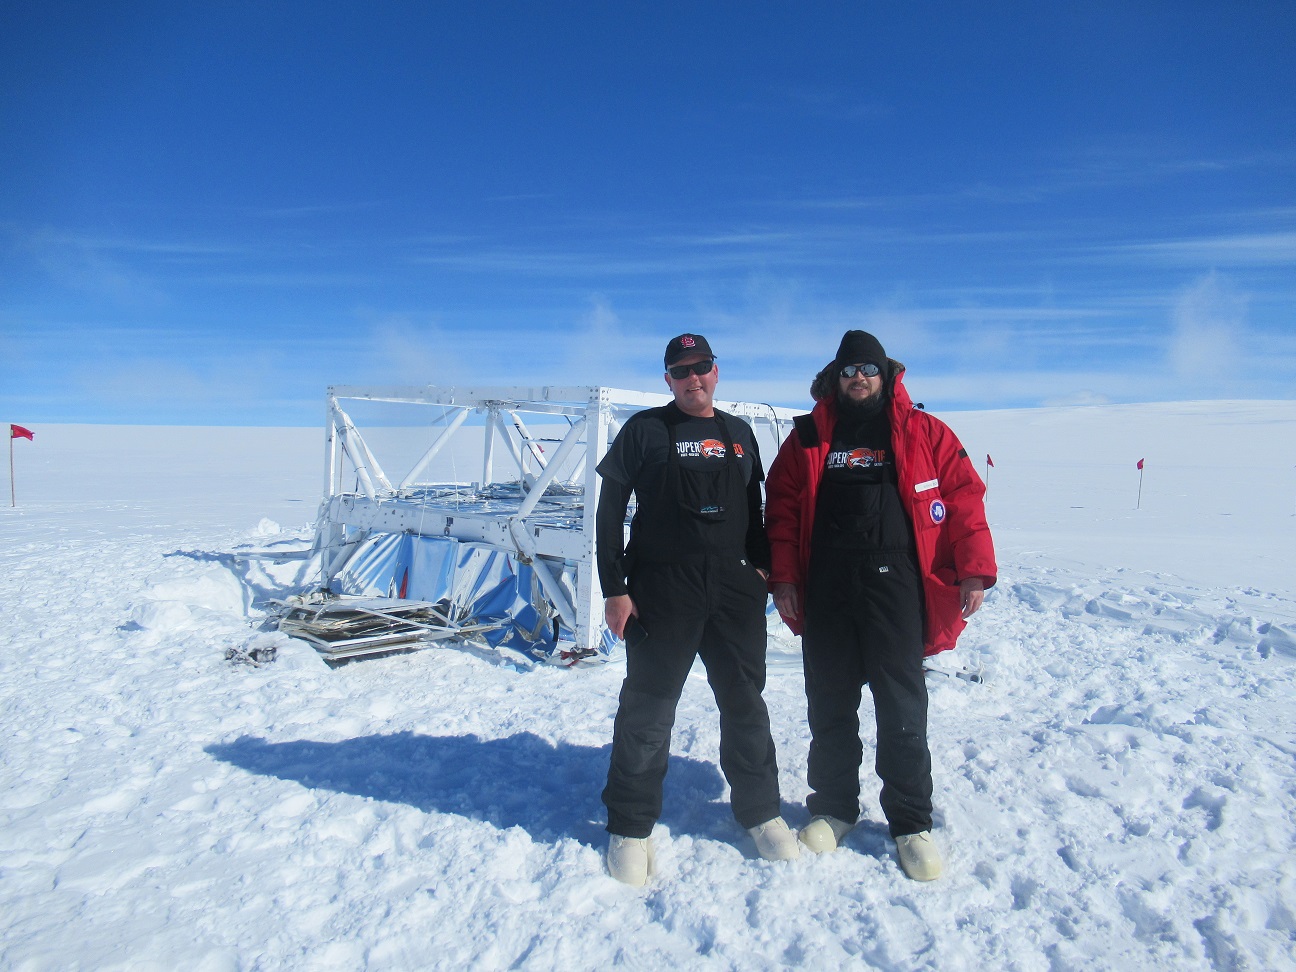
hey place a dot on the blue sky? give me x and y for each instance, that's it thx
(211, 211)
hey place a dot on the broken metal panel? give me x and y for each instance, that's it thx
(342, 628)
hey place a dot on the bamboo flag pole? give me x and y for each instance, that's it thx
(1139, 502)
(989, 466)
(16, 432)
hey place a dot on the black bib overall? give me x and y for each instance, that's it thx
(696, 595)
(863, 624)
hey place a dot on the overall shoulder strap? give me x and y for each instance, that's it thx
(727, 437)
(806, 431)
(671, 421)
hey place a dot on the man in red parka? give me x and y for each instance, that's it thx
(880, 550)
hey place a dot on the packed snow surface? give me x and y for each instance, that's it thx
(1119, 792)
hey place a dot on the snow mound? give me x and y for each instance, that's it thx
(267, 528)
(215, 589)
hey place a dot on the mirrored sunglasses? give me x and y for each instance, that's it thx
(680, 372)
(869, 370)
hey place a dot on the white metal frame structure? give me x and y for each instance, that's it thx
(557, 543)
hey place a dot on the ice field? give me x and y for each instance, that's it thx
(1119, 792)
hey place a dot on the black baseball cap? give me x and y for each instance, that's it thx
(685, 345)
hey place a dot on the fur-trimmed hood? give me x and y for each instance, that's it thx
(824, 386)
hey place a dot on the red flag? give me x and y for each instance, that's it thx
(18, 432)
(1140, 463)
(989, 461)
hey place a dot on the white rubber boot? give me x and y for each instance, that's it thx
(824, 834)
(630, 859)
(919, 856)
(774, 841)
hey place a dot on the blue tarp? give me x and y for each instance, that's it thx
(470, 582)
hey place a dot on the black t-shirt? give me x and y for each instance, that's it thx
(859, 504)
(637, 457)
(637, 461)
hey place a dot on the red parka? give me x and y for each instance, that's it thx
(941, 492)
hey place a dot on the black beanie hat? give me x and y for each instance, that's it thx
(861, 347)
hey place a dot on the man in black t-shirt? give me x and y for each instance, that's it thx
(690, 583)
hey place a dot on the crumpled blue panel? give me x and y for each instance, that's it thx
(378, 567)
(433, 566)
(472, 583)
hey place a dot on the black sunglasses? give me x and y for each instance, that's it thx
(869, 370)
(680, 372)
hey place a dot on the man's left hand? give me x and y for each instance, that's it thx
(972, 596)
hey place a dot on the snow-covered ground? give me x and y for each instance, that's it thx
(1120, 793)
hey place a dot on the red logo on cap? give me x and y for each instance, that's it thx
(687, 342)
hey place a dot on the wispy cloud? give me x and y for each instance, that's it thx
(600, 348)
(313, 211)
(93, 267)
(144, 271)
(396, 348)
(287, 279)
(1098, 167)
(1209, 325)
(179, 387)
(569, 263)
(1250, 249)
(814, 248)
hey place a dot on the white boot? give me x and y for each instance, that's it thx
(919, 856)
(824, 833)
(630, 859)
(774, 841)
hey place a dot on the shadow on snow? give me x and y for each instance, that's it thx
(550, 790)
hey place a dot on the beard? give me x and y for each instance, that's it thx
(853, 411)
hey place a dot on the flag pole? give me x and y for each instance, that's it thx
(1138, 504)
(14, 432)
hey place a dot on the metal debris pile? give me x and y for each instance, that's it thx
(341, 628)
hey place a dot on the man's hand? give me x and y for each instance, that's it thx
(617, 611)
(785, 599)
(972, 596)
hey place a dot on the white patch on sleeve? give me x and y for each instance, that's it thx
(930, 484)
